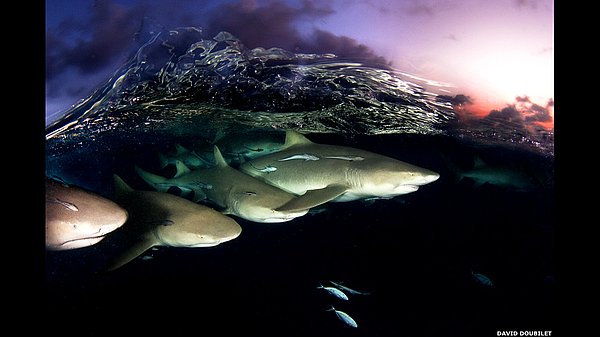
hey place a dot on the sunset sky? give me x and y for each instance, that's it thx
(496, 53)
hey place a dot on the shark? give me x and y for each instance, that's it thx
(235, 192)
(321, 173)
(77, 218)
(501, 176)
(189, 157)
(164, 219)
(238, 147)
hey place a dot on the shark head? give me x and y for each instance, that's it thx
(77, 218)
(261, 206)
(194, 225)
(389, 177)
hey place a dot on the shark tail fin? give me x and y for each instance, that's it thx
(219, 160)
(121, 186)
(294, 138)
(156, 181)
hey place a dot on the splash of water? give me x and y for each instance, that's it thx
(180, 78)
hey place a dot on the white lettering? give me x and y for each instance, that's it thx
(535, 333)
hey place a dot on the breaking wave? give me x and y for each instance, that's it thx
(183, 83)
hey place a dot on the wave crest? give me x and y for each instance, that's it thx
(181, 71)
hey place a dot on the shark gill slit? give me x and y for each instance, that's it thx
(158, 237)
(352, 177)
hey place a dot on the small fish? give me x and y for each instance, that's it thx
(252, 150)
(351, 291)
(482, 279)
(66, 204)
(304, 157)
(266, 169)
(335, 292)
(344, 317)
(348, 158)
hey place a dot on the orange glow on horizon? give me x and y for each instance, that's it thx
(481, 108)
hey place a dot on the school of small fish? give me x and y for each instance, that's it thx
(337, 291)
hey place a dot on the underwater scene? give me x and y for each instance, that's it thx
(208, 188)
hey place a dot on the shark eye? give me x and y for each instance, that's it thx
(250, 193)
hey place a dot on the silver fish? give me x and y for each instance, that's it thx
(344, 317)
(351, 291)
(482, 279)
(348, 158)
(304, 157)
(335, 292)
(266, 169)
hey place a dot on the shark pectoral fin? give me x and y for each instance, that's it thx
(313, 198)
(129, 254)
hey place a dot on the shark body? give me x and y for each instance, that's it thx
(77, 218)
(163, 219)
(322, 173)
(237, 193)
(500, 176)
(238, 148)
(189, 157)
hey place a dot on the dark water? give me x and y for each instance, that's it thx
(415, 254)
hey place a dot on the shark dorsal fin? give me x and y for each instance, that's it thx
(294, 138)
(121, 186)
(163, 160)
(179, 150)
(181, 169)
(220, 134)
(219, 160)
(478, 162)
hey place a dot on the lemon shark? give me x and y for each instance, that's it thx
(501, 176)
(322, 173)
(164, 219)
(77, 218)
(189, 157)
(240, 147)
(237, 193)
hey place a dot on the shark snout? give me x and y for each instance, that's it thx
(430, 177)
(273, 216)
(287, 216)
